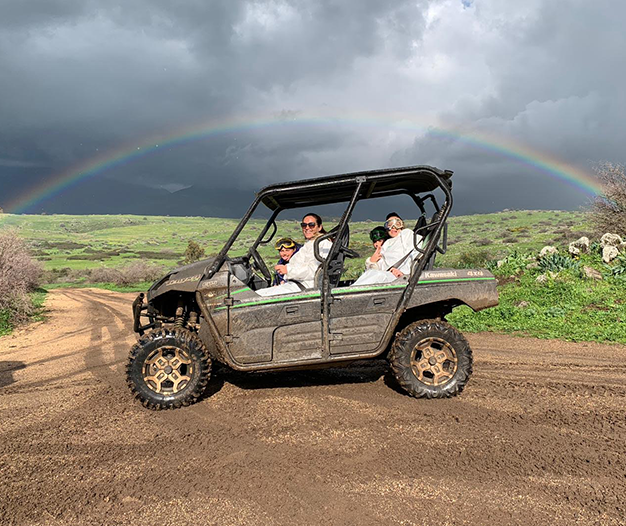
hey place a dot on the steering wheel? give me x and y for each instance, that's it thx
(257, 263)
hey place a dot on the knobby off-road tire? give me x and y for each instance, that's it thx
(431, 359)
(168, 368)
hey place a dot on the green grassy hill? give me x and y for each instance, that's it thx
(86, 242)
(565, 305)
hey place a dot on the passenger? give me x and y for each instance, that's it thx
(299, 272)
(286, 247)
(396, 255)
(378, 236)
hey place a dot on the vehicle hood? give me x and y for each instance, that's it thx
(184, 279)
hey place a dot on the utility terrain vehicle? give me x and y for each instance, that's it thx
(209, 310)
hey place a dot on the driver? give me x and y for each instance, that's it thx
(299, 272)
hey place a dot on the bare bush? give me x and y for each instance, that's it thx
(608, 211)
(140, 271)
(105, 275)
(136, 272)
(19, 274)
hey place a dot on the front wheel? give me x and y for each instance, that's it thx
(168, 368)
(431, 359)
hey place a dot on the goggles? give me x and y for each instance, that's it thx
(394, 222)
(284, 242)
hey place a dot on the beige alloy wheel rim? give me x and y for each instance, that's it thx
(434, 361)
(167, 370)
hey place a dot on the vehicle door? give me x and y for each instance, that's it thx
(276, 328)
(359, 317)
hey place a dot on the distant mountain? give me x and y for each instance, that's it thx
(114, 197)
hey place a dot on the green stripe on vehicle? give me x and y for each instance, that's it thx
(349, 290)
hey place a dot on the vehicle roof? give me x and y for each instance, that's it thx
(340, 188)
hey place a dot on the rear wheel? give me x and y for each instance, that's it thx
(431, 359)
(168, 368)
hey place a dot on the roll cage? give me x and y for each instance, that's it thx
(351, 188)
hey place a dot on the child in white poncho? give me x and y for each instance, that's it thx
(394, 258)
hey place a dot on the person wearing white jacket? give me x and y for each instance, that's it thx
(303, 264)
(394, 258)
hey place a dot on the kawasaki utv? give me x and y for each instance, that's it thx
(210, 310)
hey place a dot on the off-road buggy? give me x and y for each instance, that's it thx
(210, 311)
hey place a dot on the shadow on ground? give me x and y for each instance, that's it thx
(6, 372)
(359, 372)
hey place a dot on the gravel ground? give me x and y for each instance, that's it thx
(537, 437)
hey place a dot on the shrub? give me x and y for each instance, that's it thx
(19, 275)
(557, 262)
(193, 252)
(619, 266)
(136, 272)
(608, 211)
(140, 271)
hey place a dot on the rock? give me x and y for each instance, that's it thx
(542, 278)
(609, 253)
(610, 240)
(532, 266)
(591, 273)
(580, 246)
(522, 305)
(548, 250)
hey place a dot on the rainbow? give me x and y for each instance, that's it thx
(540, 161)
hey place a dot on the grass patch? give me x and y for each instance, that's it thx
(566, 306)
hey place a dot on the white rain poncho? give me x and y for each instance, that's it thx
(393, 250)
(301, 267)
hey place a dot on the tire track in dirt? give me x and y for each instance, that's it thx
(532, 440)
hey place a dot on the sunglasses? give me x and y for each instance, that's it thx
(310, 225)
(284, 243)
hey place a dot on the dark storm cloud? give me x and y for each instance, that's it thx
(557, 74)
(82, 78)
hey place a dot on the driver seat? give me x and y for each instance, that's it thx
(336, 264)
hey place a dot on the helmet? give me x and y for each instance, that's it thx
(378, 233)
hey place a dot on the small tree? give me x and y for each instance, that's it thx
(194, 252)
(608, 211)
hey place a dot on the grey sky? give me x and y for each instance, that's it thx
(82, 78)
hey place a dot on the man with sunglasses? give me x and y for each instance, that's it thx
(299, 272)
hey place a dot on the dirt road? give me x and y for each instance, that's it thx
(538, 437)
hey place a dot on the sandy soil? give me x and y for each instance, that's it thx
(537, 437)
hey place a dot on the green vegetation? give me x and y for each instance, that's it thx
(127, 253)
(567, 306)
(79, 243)
(37, 299)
